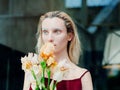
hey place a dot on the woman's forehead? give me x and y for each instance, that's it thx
(53, 19)
(53, 22)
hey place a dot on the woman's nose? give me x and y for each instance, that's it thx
(50, 38)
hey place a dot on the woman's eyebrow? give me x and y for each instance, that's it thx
(58, 29)
(44, 28)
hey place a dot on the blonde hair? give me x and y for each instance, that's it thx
(74, 47)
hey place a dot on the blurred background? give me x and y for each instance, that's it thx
(98, 23)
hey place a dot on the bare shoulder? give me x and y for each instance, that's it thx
(81, 71)
(85, 76)
(78, 71)
(86, 79)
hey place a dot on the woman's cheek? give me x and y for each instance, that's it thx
(44, 38)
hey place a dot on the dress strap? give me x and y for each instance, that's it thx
(30, 88)
(84, 74)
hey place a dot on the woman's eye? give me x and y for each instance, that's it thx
(57, 31)
(45, 32)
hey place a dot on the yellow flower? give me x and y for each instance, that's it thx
(50, 61)
(29, 61)
(26, 64)
(47, 50)
(53, 65)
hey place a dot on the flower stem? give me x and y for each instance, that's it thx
(54, 85)
(48, 73)
(33, 73)
(43, 64)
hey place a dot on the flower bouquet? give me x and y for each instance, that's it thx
(44, 66)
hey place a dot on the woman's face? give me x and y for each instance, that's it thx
(54, 31)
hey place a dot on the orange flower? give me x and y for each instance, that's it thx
(47, 51)
(51, 62)
(54, 64)
(27, 65)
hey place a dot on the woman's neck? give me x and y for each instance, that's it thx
(61, 56)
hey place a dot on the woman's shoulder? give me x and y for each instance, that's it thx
(80, 71)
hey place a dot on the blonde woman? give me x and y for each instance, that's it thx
(58, 28)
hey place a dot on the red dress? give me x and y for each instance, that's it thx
(70, 84)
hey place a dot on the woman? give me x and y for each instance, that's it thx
(59, 29)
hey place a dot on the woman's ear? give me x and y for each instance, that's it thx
(70, 36)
